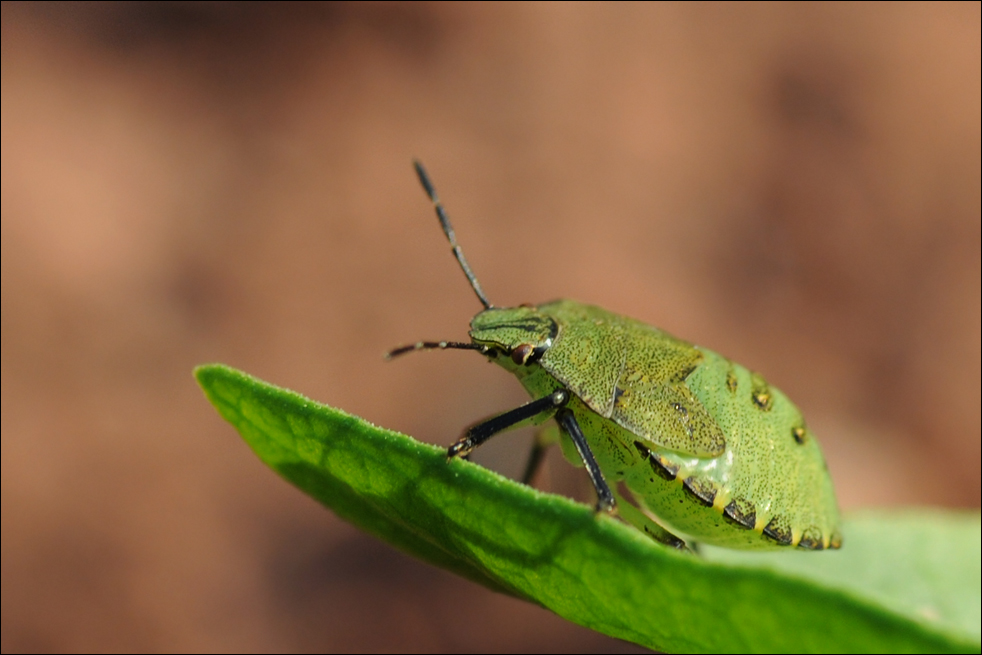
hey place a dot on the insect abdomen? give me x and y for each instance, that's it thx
(706, 445)
(771, 486)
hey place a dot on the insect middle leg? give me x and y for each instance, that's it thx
(605, 498)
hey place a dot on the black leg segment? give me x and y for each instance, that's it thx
(484, 431)
(536, 457)
(605, 499)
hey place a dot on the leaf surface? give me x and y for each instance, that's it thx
(903, 581)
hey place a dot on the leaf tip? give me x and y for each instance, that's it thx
(206, 374)
(212, 379)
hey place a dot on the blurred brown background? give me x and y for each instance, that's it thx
(795, 186)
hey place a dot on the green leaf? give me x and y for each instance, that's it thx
(903, 582)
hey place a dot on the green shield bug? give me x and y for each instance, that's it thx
(703, 444)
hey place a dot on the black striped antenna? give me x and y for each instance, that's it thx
(436, 345)
(441, 213)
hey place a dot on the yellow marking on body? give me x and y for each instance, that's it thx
(722, 500)
(760, 392)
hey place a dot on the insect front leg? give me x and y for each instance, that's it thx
(484, 430)
(544, 438)
(605, 499)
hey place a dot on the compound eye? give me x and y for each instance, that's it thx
(522, 353)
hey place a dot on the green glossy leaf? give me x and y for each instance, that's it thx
(903, 582)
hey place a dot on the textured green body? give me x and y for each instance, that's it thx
(708, 447)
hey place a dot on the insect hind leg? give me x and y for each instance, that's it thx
(642, 522)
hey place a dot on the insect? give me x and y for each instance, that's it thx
(703, 444)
